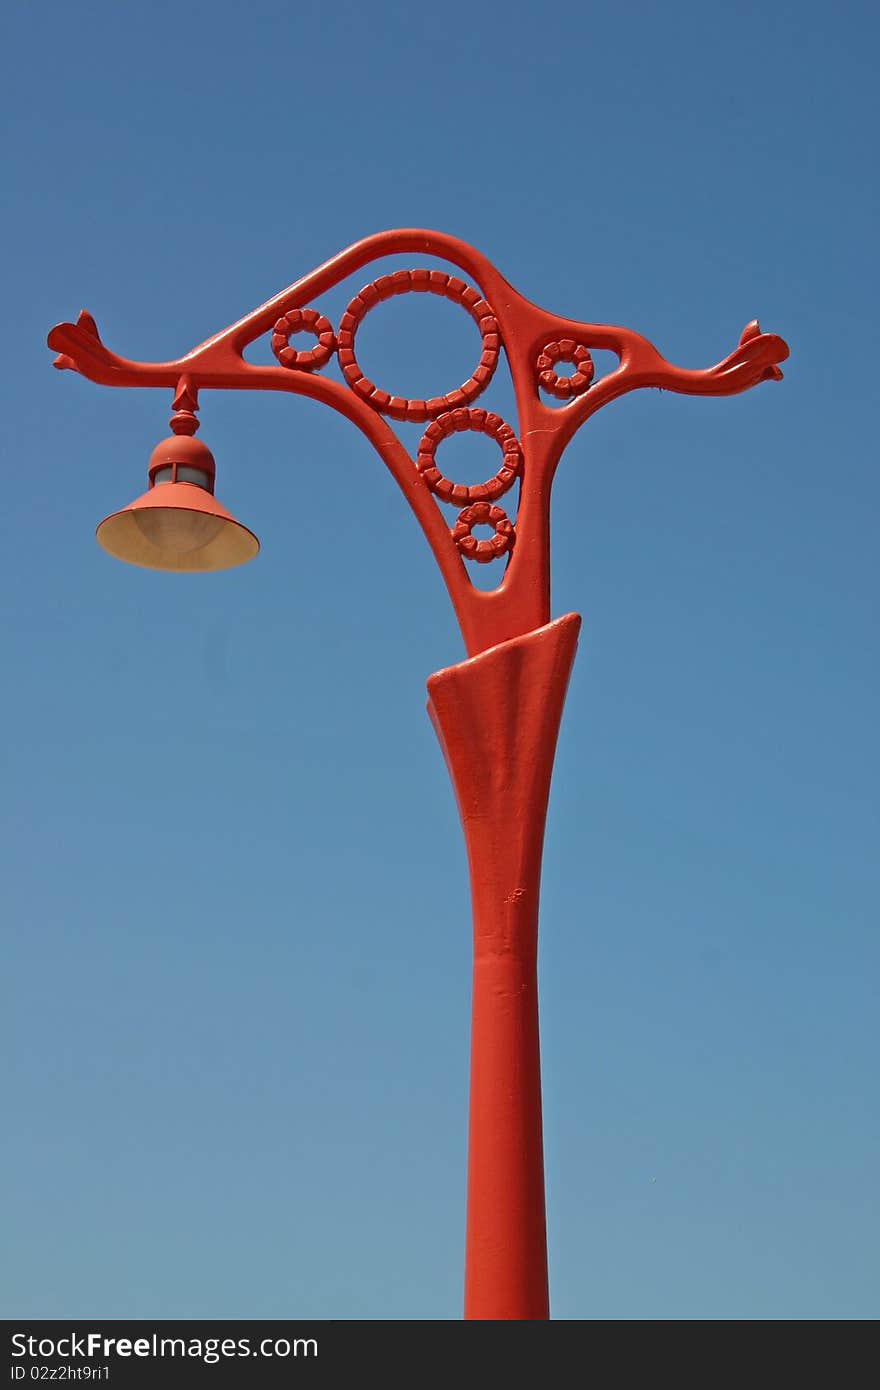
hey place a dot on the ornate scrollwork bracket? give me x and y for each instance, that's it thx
(535, 343)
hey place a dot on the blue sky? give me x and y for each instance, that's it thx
(234, 900)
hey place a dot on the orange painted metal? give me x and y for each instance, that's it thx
(497, 717)
(497, 713)
(178, 524)
(521, 602)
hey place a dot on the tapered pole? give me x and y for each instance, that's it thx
(506, 1240)
(497, 718)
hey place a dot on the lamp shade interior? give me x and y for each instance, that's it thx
(179, 527)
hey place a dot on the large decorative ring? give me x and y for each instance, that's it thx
(421, 282)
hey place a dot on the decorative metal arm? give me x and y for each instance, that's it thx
(534, 341)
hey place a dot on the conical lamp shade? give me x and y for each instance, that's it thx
(177, 526)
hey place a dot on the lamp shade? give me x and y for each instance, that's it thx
(178, 524)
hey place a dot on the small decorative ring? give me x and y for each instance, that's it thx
(421, 282)
(481, 422)
(566, 350)
(480, 514)
(303, 321)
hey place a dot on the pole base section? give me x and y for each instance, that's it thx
(497, 718)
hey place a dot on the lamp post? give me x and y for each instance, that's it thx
(497, 713)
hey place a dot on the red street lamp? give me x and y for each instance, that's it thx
(178, 524)
(497, 713)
